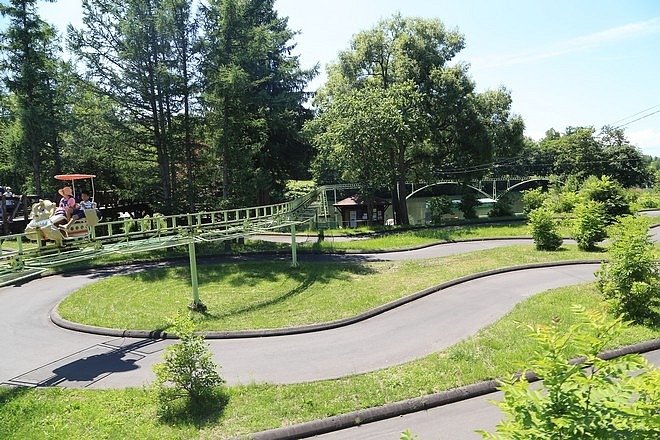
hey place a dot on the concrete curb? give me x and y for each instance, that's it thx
(161, 334)
(408, 406)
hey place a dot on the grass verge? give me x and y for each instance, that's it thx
(496, 351)
(271, 294)
(421, 237)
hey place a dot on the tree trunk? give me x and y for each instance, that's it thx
(187, 134)
(161, 154)
(225, 153)
(395, 202)
(402, 193)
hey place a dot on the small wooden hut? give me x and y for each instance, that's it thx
(355, 211)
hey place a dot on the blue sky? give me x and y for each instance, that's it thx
(567, 63)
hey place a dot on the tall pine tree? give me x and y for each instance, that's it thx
(254, 91)
(139, 53)
(29, 71)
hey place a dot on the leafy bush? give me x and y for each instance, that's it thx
(590, 399)
(544, 230)
(468, 205)
(648, 200)
(298, 188)
(610, 193)
(533, 199)
(631, 280)
(561, 201)
(188, 371)
(589, 224)
(439, 206)
(502, 207)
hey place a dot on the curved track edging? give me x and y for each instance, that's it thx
(416, 404)
(57, 319)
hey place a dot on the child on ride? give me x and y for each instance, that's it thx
(78, 213)
(66, 205)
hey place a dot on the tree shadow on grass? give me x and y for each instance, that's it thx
(9, 393)
(254, 274)
(307, 276)
(184, 412)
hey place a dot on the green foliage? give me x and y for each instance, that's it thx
(544, 230)
(561, 200)
(254, 93)
(647, 199)
(29, 70)
(298, 188)
(581, 152)
(589, 224)
(468, 205)
(631, 279)
(590, 399)
(533, 199)
(502, 208)
(416, 114)
(188, 371)
(610, 193)
(368, 132)
(408, 435)
(439, 207)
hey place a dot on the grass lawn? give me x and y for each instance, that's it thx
(420, 237)
(496, 351)
(270, 294)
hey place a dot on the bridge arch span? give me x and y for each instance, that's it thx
(458, 190)
(540, 182)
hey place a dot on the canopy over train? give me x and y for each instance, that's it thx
(69, 219)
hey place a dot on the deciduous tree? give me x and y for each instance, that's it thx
(453, 124)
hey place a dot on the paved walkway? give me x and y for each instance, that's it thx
(43, 354)
(449, 422)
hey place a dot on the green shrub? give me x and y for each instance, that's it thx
(610, 193)
(564, 201)
(188, 371)
(590, 399)
(648, 200)
(502, 207)
(439, 207)
(589, 225)
(630, 279)
(533, 199)
(544, 230)
(468, 205)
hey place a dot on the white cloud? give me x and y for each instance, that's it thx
(578, 44)
(647, 140)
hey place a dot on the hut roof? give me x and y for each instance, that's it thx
(356, 200)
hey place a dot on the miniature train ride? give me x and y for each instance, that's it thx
(45, 224)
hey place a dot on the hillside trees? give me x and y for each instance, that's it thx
(29, 73)
(453, 125)
(139, 55)
(254, 91)
(582, 152)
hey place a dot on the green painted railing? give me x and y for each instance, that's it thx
(19, 255)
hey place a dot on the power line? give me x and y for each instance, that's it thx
(633, 115)
(638, 119)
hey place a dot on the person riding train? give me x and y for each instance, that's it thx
(65, 208)
(79, 209)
